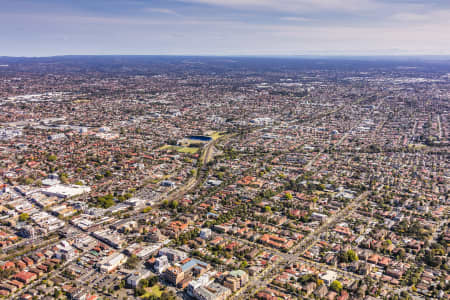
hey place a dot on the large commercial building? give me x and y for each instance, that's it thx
(110, 263)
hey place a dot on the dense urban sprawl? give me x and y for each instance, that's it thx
(223, 178)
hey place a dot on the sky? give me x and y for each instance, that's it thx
(224, 27)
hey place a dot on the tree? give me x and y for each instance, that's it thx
(52, 157)
(122, 284)
(405, 295)
(268, 193)
(387, 243)
(23, 217)
(401, 253)
(144, 283)
(336, 286)
(28, 181)
(38, 183)
(174, 204)
(147, 209)
(132, 261)
(139, 291)
(63, 178)
(288, 196)
(5, 273)
(169, 295)
(106, 201)
(152, 280)
(352, 256)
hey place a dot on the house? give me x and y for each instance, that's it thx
(263, 295)
(77, 293)
(175, 228)
(25, 277)
(276, 241)
(7, 265)
(373, 259)
(395, 273)
(331, 295)
(16, 283)
(28, 261)
(8, 287)
(384, 261)
(36, 271)
(344, 295)
(321, 291)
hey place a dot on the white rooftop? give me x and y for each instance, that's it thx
(66, 191)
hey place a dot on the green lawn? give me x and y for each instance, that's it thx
(190, 150)
(417, 146)
(154, 290)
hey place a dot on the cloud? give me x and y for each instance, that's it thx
(295, 6)
(407, 17)
(165, 11)
(115, 20)
(295, 19)
(434, 16)
(414, 39)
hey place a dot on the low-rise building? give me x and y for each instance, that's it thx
(213, 291)
(110, 263)
(134, 278)
(174, 274)
(161, 264)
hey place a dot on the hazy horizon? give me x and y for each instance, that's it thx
(304, 56)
